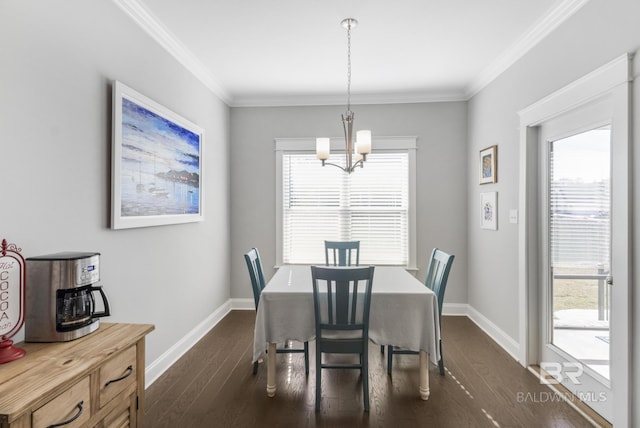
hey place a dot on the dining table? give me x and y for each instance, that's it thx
(403, 313)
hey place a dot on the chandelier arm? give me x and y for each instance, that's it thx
(337, 166)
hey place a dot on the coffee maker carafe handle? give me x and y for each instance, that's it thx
(105, 302)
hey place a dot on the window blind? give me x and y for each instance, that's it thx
(324, 203)
(580, 200)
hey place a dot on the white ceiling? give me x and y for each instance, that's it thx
(294, 52)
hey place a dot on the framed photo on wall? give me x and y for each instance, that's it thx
(489, 165)
(489, 210)
(156, 174)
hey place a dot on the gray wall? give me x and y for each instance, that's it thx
(600, 32)
(441, 177)
(58, 61)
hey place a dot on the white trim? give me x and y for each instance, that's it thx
(243, 304)
(308, 144)
(357, 99)
(611, 80)
(455, 309)
(154, 370)
(494, 332)
(581, 91)
(541, 29)
(161, 34)
(150, 23)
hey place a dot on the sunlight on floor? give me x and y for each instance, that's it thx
(466, 391)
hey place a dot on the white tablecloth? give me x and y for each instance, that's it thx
(404, 312)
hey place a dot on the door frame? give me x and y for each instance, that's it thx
(613, 80)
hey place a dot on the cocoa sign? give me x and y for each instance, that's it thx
(12, 300)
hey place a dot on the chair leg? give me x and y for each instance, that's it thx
(365, 380)
(318, 378)
(306, 358)
(255, 367)
(441, 362)
(389, 358)
(382, 349)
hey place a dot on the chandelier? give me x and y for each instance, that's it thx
(355, 151)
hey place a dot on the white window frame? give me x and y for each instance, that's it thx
(379, 144)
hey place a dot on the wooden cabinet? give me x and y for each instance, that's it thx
(96, 381)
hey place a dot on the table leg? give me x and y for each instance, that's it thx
(271, 370)
(424, 375)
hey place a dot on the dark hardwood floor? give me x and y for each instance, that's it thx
(213, 386)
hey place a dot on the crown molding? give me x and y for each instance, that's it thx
(152, 26)
(541, 29)
(331, 100)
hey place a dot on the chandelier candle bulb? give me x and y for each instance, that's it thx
(363, 144)
(323, 147)
(357, 156)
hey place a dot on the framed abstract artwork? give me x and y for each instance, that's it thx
(489, 165)
(156, 173)
(489, 210)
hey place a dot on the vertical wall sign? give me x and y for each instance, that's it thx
(12, 299)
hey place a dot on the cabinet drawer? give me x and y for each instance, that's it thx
(117, 374)
(73, 403)
(119, 418)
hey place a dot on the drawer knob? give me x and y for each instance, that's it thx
(68, 421)
(124, 376)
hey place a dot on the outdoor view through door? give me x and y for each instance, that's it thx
(579, 246)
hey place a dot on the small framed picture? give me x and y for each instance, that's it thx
(489, 165)
(489, 210)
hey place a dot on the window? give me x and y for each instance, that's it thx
(373, 205)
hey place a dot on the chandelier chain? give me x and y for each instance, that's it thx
(349, 68)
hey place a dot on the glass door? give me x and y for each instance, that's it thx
(579, 246)
(577, 268)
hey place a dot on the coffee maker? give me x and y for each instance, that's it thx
(60, 305)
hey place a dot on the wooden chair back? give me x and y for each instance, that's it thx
(255, 273)
(342, 253)
(342, 300)
(438, 274)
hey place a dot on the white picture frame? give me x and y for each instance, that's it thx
(489, 210)
(157, 168)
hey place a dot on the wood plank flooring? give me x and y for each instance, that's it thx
(212, 385)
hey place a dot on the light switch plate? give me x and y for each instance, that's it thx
(513, 216)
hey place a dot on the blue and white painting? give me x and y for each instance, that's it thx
(160, 165)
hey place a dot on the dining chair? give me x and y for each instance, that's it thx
(437, 275)
(341, 253)
(258, 283)
(342, 300)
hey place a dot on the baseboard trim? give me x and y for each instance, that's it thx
(455, 309)
(173, 354)
(154, 370)
(242, 304)
(494, 332)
